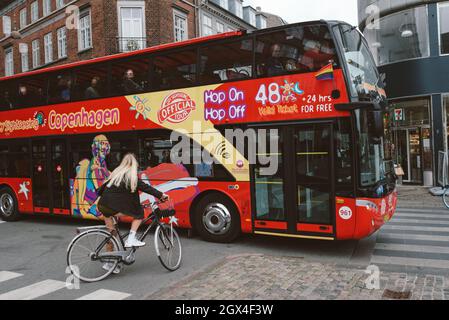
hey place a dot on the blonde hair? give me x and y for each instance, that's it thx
(126, 173)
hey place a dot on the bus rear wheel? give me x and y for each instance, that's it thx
(216, 219)
(8, 205)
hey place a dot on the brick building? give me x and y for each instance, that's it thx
(41, 33)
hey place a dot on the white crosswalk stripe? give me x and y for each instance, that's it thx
(103, 294)
(416, 238)
(7, 275)
(1, 221)
(33, 291)
(47, 287)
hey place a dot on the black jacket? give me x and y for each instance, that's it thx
(122, 200)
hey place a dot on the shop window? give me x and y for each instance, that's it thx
(401, 36)
(227, 61)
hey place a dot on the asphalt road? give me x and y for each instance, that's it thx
(33, 250)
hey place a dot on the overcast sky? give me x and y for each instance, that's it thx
(304, 10)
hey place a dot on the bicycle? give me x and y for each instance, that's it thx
(108, 248)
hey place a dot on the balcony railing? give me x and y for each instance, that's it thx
(127, 44)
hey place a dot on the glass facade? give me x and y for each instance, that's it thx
(412, 139)
(400, 36)
(444, 27)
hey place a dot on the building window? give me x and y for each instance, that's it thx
(59, 4)
(23, 18)
(9, 62)
(62, 42)
(446, 111)
(239, 9)
(180, 26)
(444, 27)
(47, 7)
(207, 26)
(132, 26)
(84, 34)
(34, 11)
(36, 53)
(220, 27)
(24, 57)
(224, 4)
(401, 36)
(48, 48)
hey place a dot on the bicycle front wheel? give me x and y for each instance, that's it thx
(446, 197)
(82, 252)
(168, 247)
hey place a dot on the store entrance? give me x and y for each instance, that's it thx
(412, 153)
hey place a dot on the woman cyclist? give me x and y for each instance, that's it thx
(119, 195)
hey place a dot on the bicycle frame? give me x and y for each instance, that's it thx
(122, 256)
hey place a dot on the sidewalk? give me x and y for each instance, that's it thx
(261, 277)
(417, 196)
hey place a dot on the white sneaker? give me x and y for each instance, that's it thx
(108, 266)
(133, 243)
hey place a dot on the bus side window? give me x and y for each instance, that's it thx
(173, 70)
(297, 49)
(15, 160)
(30, 92)
(61, 88)
(6, 96)
(120, 146)
(344, 158)
(226, 61)
(90, 82)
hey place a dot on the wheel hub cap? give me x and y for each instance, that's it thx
(217, 218)
(6, 204)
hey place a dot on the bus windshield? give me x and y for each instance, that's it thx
(364, 80)
(370, 150)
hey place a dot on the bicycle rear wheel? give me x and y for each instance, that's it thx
(446, 197)
(81, 253)
(168, 247)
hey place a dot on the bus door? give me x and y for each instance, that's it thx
(50, 179)
(298, 199)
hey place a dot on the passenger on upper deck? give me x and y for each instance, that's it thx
(129, 86)
(6, 102)
(274, 66)
(24, 98)
(92, 91)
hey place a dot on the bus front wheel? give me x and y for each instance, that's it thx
(8, 205)
(216, 219)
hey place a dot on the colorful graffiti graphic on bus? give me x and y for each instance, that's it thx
(172, 179)
(90, 174)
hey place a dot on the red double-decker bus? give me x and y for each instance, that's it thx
(277, 132)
